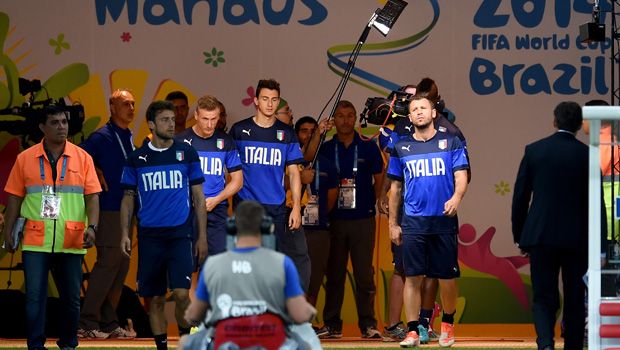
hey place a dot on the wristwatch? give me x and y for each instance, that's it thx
(94, 227)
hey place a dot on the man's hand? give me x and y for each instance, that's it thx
(294, 220)
(325, 125)
(383, 204)
(89, 238)
(396, 234)
(104, 185)
(201, 250)
(126, 246)
(8, 243)
(307, 175)
(211, 203)
(451, 206)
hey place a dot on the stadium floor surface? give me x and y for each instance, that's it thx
(346, 342)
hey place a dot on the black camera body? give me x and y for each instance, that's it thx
(386, 110)
(31, 114)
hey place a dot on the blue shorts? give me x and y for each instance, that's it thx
(431, 255)
(164, 263)
(397, 259)
(216, 229)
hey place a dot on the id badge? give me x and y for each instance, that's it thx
(311, 213)
(50, 206)
(346, 194)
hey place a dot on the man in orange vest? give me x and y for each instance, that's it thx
(53, 185)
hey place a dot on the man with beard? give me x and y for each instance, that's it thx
(167, 177)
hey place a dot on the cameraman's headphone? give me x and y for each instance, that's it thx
(266, 225)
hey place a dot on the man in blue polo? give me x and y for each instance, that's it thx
(109, 147)
(266, 147)
(359, 166)
(218, 155)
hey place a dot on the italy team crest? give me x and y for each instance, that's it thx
(219, 143)
(180, 156)
(280, 135)
(443, 144)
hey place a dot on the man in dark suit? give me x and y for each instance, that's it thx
(552, 228)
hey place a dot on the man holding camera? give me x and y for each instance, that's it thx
(53, 185)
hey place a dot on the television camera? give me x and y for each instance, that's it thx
(30, 112)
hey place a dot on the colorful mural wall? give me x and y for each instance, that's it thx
(501, 67)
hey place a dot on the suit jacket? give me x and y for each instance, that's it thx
(554, 175)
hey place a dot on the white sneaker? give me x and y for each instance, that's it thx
(411, 340)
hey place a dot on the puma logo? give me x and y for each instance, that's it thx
(246, 131)
(406, 148)
(143, 157)
(189, 142)
(408, 127)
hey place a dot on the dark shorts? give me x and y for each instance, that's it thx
(430, 255)
(216, 229)
(163, 264)
(397, 259)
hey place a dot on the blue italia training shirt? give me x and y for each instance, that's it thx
(427, 172)
(264, 153)
(162, 178)
(216, 153)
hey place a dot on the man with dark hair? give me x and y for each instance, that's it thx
(266, 147)
(432, 169)
(267, 283)
(181, 109)
(322, 190)
(359, 166)
(53, 185)
(109, 147)
(166, 176)
(550, 224)
(218, 156)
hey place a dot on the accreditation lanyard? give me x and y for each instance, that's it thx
(346, 191)
(50, 202)
(311, 211)
(337, 158)
(120, 143)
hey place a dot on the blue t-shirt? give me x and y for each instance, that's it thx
(162, 178)
(216, 153)
(369, 163)
(404, 127)
(265, 153)
(292, 288)
(109, 146)
(427, 172)
(327, 179)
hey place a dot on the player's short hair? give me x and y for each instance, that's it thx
(270, 84)
(157, 107)
(208, 103)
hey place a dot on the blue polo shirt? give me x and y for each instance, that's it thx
(327, 179)
(369, 163)
(109, 146)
